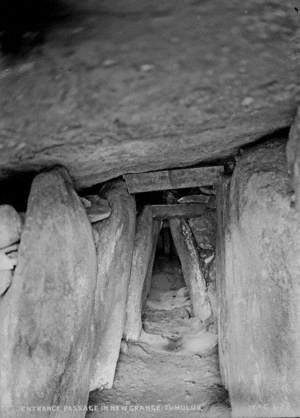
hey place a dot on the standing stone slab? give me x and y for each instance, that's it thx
(223, 257)
(46, 315)
(141, 259)
(147, 284)
(115, 238)
(263, 288)
(293, 158)
(193, 276)
(204, 230)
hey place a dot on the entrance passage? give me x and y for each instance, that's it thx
(173, 369)
(168, 303)
(168, 319)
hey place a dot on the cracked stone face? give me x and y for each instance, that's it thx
(129, 86)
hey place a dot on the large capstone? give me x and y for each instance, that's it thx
(114, 242)
(46, 315)
(260, 287)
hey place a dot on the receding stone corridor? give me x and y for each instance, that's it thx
(156, 299)
(174, 368)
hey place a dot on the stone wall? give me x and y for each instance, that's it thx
(259, 287)
(204, 232)
(114, 244)
(46, 315)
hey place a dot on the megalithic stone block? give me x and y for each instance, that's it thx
(143, 247)
(224, 259)
(293, 158)
(147, 284)
(46, 328)
(191, 269)
(115, 238)
(261, 301)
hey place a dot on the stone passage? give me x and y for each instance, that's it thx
(186, 286)
(172, 359)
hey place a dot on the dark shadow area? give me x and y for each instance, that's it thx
(15, 190)
(168, 300)
(278, 135)
(25, 23)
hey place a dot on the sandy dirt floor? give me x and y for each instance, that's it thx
(175, 371)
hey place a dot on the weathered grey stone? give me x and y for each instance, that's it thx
(204, 229)
(293, 158)
(5, 280)
(141, 259)
(147, 284)
(212, 291)
(204, 232)
(114, 253)
(97, 209)
(7, 262)
(261, 288)
(198, 198)
(46, 328)
(10, 226)
(223, 254)
(205, 97)
(193, 276)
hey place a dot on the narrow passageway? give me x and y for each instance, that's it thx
(173, 370)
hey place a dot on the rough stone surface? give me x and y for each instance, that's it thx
(174, 365)
(46, 315)
(204, 229)
(97, 209)
(186, 249)
(114, 252)
(293, 158)
(10, 226)
(133, 86)
(157, 224)
(223, 255)
(141, 259)
(262, 290)
(5, 280)
(7, 262)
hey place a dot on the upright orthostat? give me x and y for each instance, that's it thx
(46, 322)
(193, 276)
(259, 287)
(114, 242)
(142, 260)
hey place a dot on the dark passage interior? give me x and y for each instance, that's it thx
(173, 368)
(168, 301)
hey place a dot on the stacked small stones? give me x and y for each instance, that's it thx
(96, 208)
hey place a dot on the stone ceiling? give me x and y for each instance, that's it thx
(132, 86)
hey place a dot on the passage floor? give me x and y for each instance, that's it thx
(172, 374)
